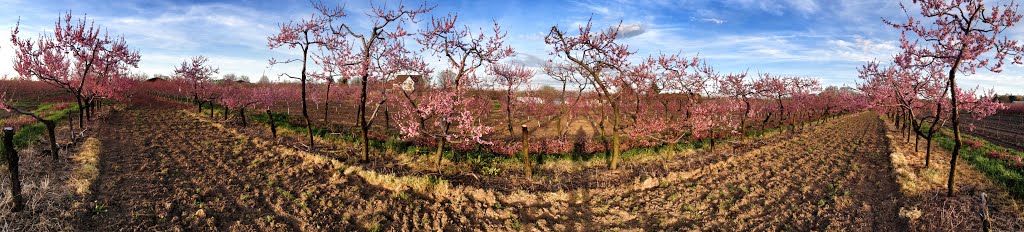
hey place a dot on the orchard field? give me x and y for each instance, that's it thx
(365, 131)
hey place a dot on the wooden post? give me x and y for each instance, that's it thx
(12, 165)
(526, 152)
(273, 127)
(986, 224)
(51, 128)
(241, 113)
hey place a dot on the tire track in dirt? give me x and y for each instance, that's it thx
(157, 175)
(836, 177)
(167, 170)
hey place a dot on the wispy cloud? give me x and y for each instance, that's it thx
(630, 30)
(813, 38)
(713, 20)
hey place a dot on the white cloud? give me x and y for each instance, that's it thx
(528, 60)
(629, 30)
(804, 6)
(607, 10)
(778, 7)
(186, 27)
(861, 49)
(1008, 82)
(713, 20)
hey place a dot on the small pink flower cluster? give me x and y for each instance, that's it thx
(17, 122)
(973, 143)
(1013, 160)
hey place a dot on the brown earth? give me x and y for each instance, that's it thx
(1005, 128)
(164, 168)
(836, 177)
(926, 204)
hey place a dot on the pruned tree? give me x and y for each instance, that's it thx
(961, 37)
(774, 88)
(196, 73)
(563, 73)
(736, 86)
(603, 59)
(510, 77)
(76, 58)
(465, 50)
(51, 125)
(308, 34)
(372, 55)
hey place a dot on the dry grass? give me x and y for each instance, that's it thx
(87, 171)
(927, 207)
(47, 198)
(437, 188)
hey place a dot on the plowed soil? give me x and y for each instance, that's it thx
(163, 169)
(837, 177)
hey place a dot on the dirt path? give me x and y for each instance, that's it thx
(837, 177)
(163, 169)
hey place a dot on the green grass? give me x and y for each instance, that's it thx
(29, 132)
(998, 170)
(483, 158)
(479, 157)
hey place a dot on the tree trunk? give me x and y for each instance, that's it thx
(327, 101)
(526, 152)
(928, 151)
(387, 120)
(764, 123)
(363, 124)
(241, 113)
(273, 127)
(743, 120)
(561, 112)
(440, 146)
(508, 113)
(88, 110)
(81, 112)
(12, 166)
(51, 126)
(956, 128)
(712, 141)
(615, 137)
(931, 133)
(305, 108)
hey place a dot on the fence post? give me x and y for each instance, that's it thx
(273, 127)
(986, 224)
(526, 152)
(12, 165)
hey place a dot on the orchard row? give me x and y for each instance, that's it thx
(478, 98)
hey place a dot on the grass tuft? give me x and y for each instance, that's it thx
(87, 171)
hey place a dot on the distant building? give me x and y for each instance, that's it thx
(408, 83)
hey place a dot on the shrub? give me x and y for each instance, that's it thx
(972, 143)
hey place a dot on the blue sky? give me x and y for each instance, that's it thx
(810, 38)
